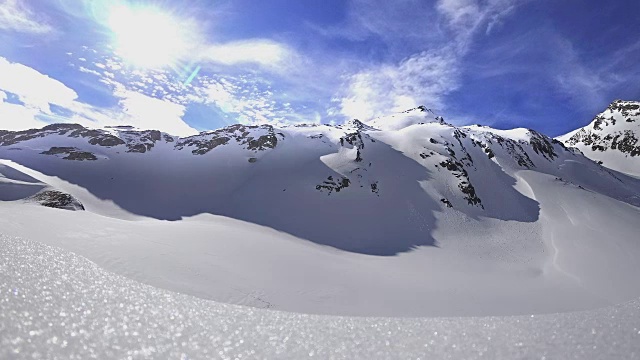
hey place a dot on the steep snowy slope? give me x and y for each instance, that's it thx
(349, 187)
(18, 186)
(419, 115)
(481, 221)
(612, 137)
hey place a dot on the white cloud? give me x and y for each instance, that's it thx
(17, 117)
(426, 77)
(16, 16)
(422, 79)
(248, 101)
(584, 85)
(263, 52)
(38, 91)
(219, 94)
(399, 23)
(146, 112)
(460, 13)
(466, 16)
(34, 89)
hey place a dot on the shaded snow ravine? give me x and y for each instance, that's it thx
(57, 305)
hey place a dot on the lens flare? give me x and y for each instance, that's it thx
(148, 37)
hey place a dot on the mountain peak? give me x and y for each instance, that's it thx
(414, 116)
(612, 138)
(359, 125)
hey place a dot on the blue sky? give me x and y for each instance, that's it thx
(187, 66)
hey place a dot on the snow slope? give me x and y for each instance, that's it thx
(57, 305)
(612, 137)
(422, 219)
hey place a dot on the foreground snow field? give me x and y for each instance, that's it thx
(57, 305)
(231, 261)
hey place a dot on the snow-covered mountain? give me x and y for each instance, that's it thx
(472, 214)
(352, 187)
(612, 137)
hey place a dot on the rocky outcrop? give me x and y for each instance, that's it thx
(254, 138)
(71, 154)
(615, 129)
(58, 200)
(330, 185)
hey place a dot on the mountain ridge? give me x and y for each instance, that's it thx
(304, 170)
(612, 137)
(423, 219)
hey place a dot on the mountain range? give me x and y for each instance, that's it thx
(407, 214)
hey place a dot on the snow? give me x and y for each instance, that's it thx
(261, 234)
(614, 125)
(502, 262)
(403, 120)
(518, 134)
(413, 218)
(57, 305)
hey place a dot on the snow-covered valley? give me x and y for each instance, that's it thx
(403, 216)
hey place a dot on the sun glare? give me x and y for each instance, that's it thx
(148, 37)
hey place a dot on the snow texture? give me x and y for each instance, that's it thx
(57, 305)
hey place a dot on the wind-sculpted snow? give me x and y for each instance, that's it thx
(17, 186)
(57, 305)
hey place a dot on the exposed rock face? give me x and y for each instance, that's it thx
(252, 138)
(359, 125)
(71, 153)
(58, 200)
(446, 202)
(455, 156)
(135, 141)
(143, 141)
(457, 169)
(255, 138)
(94, 137)
(332, 184)
(543, 145)
(615, 129)
(355, 140)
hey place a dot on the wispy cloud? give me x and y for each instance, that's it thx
(247, 97)
(422, 78)
(17, 116)
(427, 76)
(466, 17)
(33, 88)
(589, 82)
(253, 105)
(581, 83)
(267, 53)
(399, 24)
(15, 15)
(36, 93)
(150, 113)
